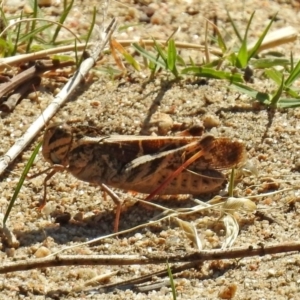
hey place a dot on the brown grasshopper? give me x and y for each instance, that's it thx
(141, 163)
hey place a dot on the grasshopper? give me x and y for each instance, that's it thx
(140, 163)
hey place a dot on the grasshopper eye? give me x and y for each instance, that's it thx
(57, 142)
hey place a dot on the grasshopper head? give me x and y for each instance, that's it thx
(57, 143)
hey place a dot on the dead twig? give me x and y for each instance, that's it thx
(197, 256)
(11, 102)
(38, 68)
(136, 283)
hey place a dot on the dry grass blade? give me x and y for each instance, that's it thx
(191, 233)
(230, 206)
(233, 204)
(60, 99)
(232, 230)
(95, 281)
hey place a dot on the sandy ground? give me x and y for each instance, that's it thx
(124, 106)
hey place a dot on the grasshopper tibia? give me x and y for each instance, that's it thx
(118, 203)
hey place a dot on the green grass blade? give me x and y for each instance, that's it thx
(242, 56)
(38, 47)
(275, 75)
(263, 98)
(17, 37)
(41, 42)
(256, 47)
(221, 42)
(192, 62)
(235, 29)
(111, 72)
(152, 67)
(278, 93)
(211, 73)
(180, 60)
(33, 24)
(149, 56)
(4, 20)
(5, 48)
(291, 62)
(172, 54)
(30, 36)
(171, 281)
(62, 19)
(67, 41)
(214, 63)
(160, 51)
(232, 58)
(295, 73)
(87, 39)
(21, 181)
(288, 103)
(291, 92)
(77, 59)
(219, 39)
(132, 61)
(263, 63)
(172, 57)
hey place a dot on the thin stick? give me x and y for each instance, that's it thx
(135, 283)
(205, 255)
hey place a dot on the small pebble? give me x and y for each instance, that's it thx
(42, 252)
(228, 292)
(10, 252)
(210, 121)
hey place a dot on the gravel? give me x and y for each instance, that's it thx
(123, 106)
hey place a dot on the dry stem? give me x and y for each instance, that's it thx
(200, 256)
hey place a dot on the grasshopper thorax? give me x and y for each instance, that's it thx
(57, 143)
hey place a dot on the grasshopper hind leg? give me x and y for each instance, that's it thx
(118, 203)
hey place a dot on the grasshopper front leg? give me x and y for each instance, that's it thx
(53, 170)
